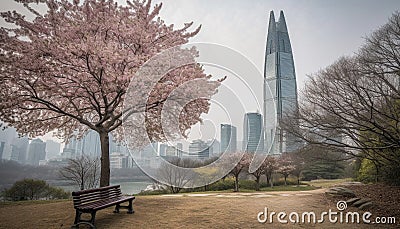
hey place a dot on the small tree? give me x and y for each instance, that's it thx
(285, 166)
(243, 163)
(175, 177)
(299, 164)
(84, 172)
(258, 173)
(269, 168)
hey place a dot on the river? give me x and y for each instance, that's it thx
(131, 187)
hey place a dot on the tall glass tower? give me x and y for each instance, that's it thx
(253, 133)
(280, 76)
(228, 138)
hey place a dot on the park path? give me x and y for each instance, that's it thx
(195, 210)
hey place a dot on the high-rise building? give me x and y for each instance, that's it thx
(198, 149)
(280, 76)
(19, 149)
(170, 151)
(179, 149)
(7, 137)
(36, 151)
(253, 137)
(52, 149)
(118, 160)
(2, 147)
(228, 138)
(214, 147)
(162, 150)
(90, 145)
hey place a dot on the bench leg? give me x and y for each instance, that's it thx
(117, 208)
(130, 208)
(93, 214)
(77, 216)
(79, 221)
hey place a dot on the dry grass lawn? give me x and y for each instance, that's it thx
(228, 210)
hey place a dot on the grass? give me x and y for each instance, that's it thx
(322, 183)
(289, 188)
(244, 190)
(225, 211)
(29, 202)
(162, 212)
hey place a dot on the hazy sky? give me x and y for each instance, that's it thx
(320, 31)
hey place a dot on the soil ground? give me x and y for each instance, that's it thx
(215, 210)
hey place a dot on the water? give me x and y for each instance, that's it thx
(131, 187)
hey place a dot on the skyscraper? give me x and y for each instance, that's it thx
(52, 149)
(228, 138)
(37, 151)
(280, 76)
(19, 149)
(198, 149)
(253, 137)
(7, 137)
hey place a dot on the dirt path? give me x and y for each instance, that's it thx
(217, 210)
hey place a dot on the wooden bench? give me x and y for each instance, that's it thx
(92, 200)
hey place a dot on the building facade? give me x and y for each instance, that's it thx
(52, 149)
(253, 137)
(198, 149)
(280, 88)
(36, 151)
(228, 138)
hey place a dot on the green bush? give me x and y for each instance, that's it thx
(30, 189)
(227, 183)
(289, 181)
(367, 171)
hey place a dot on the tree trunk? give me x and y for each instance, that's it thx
(272, 181)
(257, 183)
(285, 180)
(237, 183)
(377, 173)
(105, 159)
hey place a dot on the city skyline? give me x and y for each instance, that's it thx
(316, 43)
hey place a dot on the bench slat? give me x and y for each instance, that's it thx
(77, 204)
(103, 204)
(95, 196)
(78, 193)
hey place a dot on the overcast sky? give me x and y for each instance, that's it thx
(320, 32)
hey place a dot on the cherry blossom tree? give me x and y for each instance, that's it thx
(259, 171)
(270, 166)
(243, 162)
(285, 165)
(68, 69)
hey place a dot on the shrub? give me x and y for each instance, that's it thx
(30, 189)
